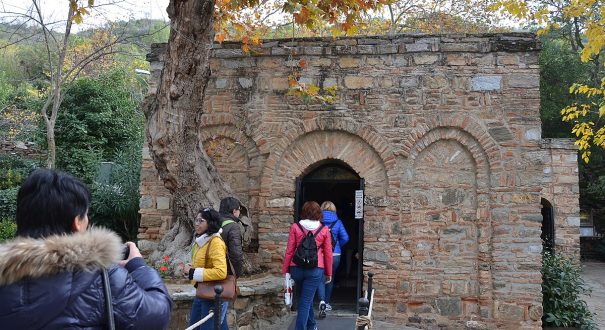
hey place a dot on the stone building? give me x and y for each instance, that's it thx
(438, 136)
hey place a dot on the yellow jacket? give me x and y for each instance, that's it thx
(215, 268)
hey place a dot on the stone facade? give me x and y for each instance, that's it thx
(444, 129)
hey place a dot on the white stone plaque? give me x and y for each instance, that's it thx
(358, 204)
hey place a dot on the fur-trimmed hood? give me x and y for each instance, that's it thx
(23, 258)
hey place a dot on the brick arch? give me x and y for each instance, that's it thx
(484, 161)
(361, 133)
(282, 168)
(232, 132)
(462, 124)
(474, 148)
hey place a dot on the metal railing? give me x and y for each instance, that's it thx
(364, 318)
(218, 289)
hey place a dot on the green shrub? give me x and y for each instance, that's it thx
(100, 121)
(8, 229)
(8, 203)
(14, 169)
(562, 286)
(115, 202)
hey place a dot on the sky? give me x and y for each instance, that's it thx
(56, 10)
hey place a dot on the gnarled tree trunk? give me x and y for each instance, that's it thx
(173, 121)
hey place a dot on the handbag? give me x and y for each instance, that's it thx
(205, 290)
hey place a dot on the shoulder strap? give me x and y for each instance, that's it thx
(321, 226)
(108, 306)
(208, 251)
(333, 224)
(301, 228)
(226, 222)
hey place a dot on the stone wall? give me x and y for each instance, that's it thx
(444, 129)
(27, 150)
(562, 191)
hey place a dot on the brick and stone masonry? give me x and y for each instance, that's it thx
(445, 130)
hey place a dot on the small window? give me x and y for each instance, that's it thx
(586, 224)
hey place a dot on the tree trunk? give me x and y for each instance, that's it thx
(173, 123)
(52, 147)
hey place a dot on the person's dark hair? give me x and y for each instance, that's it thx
(311, 211)
(228, 204)
(48, 202)
(213, 219)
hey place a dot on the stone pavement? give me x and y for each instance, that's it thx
(593, 272)
(342, 321)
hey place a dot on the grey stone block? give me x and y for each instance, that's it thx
(409, 81)
(486, 83)
(449, 306)
(452, 197)
(524, 81)
(500, 134)
(240, 63)
(220, 83)
(245, 82)
(226, 53)
(146, 202)
(163, 203)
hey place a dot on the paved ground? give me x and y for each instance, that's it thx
(594, 274)
(342, 321)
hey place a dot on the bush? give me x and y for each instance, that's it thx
(8, 229)
(100, 121)
(115, 203)
(14, 169)
(562, 286)
(8, 203)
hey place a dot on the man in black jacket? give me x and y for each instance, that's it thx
(230, 211)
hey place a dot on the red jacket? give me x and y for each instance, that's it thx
(324, 248)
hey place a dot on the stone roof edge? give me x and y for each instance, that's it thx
(510, 42)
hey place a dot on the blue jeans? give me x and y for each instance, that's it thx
(325, 292)
(308, 280)
(201, 307)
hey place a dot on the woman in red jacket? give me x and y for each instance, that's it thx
(308, 275)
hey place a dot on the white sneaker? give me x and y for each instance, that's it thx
(328, 307)
(322, 310)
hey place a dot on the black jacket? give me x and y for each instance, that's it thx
(232, 236)
(56, 283)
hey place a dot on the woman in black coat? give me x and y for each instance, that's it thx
(51, 274)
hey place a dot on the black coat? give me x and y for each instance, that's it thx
(56, 283)
(232, 236)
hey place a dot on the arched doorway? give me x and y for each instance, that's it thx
(548, 226)
(337, 182)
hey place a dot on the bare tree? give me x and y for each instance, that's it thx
(62, 64)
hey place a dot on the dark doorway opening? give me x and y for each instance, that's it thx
(548, 226)
(337, 182)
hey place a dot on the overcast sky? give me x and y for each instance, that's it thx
(55, 10)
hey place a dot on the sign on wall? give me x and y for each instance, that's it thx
(358, 204)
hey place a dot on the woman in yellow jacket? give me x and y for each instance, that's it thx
(208, 235)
